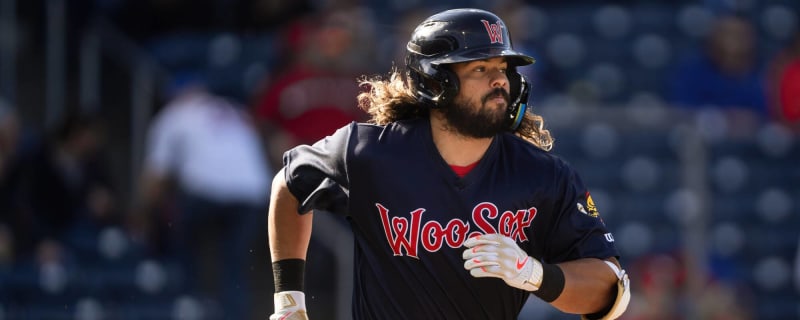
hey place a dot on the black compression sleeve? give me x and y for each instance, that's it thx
(289, 274)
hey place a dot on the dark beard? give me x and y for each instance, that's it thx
(481, 123)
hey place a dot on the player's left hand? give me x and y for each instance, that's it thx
(498, 256)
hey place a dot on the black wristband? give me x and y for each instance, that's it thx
(289, 274)
(552, 283)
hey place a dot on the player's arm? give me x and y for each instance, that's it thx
(289, 232)
(289, 237)
(313, 177)
(591, 287)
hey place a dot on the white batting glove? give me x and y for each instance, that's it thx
(289, 305)
(498, 256)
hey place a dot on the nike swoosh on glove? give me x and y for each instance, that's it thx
(289, 305)
(498, 256)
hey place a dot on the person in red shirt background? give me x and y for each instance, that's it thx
(315, 92)
(784, 83)
(789, 92)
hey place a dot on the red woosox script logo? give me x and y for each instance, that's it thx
(495, 31)
(407, 236)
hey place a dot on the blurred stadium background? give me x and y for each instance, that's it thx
(702, 200)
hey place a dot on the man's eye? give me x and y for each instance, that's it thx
(480, 69)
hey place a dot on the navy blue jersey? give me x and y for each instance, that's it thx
(410, 215)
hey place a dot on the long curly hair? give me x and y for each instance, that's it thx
(389, 99)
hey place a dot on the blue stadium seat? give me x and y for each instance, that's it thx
(150, 310)
(646, 79)
(572, 18)
(568, 143)
(769, 240)
(736, 206)
(653, 17)
(648, 206)
(780, 306)
(176, 51)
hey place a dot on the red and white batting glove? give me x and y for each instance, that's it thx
(498, 256)
(289, 305)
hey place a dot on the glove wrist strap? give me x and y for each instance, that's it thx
(290, 300)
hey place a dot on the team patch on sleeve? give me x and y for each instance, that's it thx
(588, 208)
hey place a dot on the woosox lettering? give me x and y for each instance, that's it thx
(406, 236)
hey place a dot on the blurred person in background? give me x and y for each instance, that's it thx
(315, 91)
(66, 174)
(13, 222)
(208, 149)
(662, 290)
(724, 74)
(784, 83)
(9, 137)
(657, 288)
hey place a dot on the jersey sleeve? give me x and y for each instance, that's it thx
(578, 230)
(317, 174)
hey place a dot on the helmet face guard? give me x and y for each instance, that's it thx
(462, 35)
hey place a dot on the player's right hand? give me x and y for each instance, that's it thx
(289, 305)
(498, 256)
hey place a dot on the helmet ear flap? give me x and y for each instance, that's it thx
(451, 85)
(437, 89)
(520, 90)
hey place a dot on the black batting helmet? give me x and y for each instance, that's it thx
(461, 35)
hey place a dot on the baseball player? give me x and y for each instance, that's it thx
(458, 210)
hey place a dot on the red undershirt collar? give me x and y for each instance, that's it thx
(462, 171)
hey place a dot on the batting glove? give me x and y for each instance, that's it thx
(498, 256)
(289, 305)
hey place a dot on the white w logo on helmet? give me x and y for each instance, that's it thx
(494, 30)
